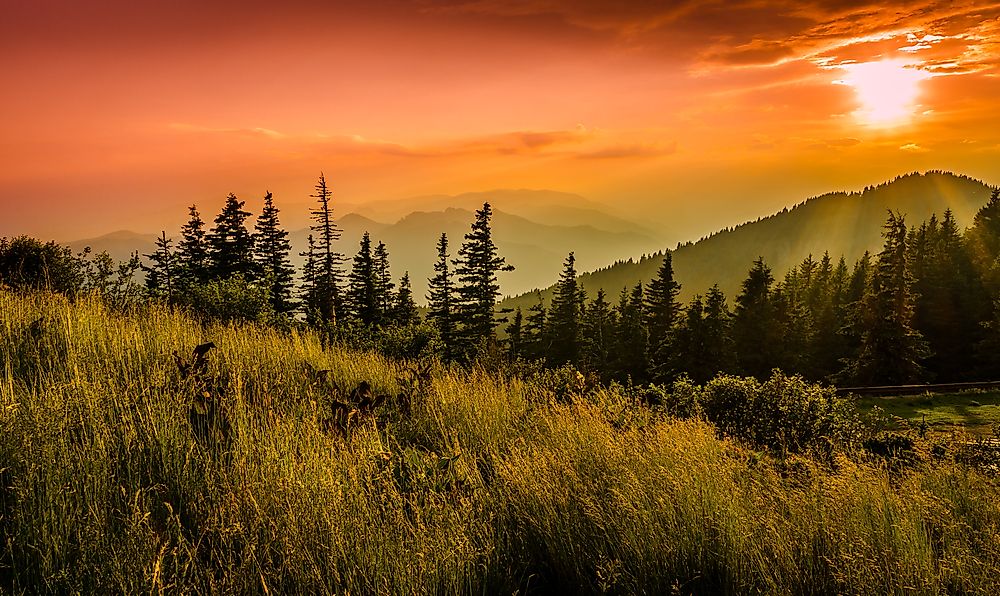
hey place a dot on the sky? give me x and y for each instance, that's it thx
(118, 114)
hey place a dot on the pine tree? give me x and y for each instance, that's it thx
(362, 300)
(535, 337)
(663, 312)
(598, 341)
(476, 268)
(690, 355)
(193, 264)
(632, 338)
(383, 284)
(161, 274)
(404, 308)
(309, 296)
(565, 316)
(515, 335)
(441, 307)
(891, 349)
(328, 260)
(983, 240)
(271, 248)
(230, 243)
(755, 325)
(718, 338)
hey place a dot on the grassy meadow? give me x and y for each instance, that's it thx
(484, 483)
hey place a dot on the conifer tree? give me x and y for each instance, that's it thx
(718, 339)
(663, 312)
(230, 243)
(598, 341)
(328, 261)
(308, 291)
(362, 300)
(565, 316)
(536, 337)
(891, 349)
(755, 332)
(476, 268)
(161, 274)
(384, 295)
(689, 339)
(271, 248)
(193, 265)
(404, 308)
(515, 335)
(441, 307)
(633, 337)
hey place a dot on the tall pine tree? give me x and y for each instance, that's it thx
(663, 312)
(476, 268)
(271, 248)
(362, 298)
(326, 282)
(193, 262)
(565, 316)
(230, 243)
(441, 307)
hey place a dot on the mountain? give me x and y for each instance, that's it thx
(120, 245)
(542, 206)
(536, 250)
(842, 223)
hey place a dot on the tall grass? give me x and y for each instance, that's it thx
(491, 485)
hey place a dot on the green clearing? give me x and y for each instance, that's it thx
(976, 412)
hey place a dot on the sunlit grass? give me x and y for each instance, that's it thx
(490, 486)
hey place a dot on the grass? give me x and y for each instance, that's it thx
(491, 485)
(977, 413)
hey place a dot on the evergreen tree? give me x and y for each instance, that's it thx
(309, 294)
(476, 268)
(718, 337)
(794, 321)
(663, 312)
(598, 341)
(230, 243)
(362, 285)
(535, 336)
(983, 240)
(328, 261)
(384, 295)
(755, 328)
(271, 248)
(193, 264)
(404, 308)
(632, 339)
(515, 335)
(689, 336)
(161, 274)
(891, 349)
(565, 316)
(441, 308)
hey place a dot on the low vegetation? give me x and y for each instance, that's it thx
(242, 466)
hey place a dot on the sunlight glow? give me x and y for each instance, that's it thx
(887, 90)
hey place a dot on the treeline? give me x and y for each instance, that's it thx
(924, 308)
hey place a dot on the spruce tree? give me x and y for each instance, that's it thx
(441, 307)
(536, 337)
(515, 335)
(690, 356)
(718, 336)
(328, 260)
(193, 264)
(271, 248)
(362, 301)
(565, 316)
(891, 349)
(161, 274)
(598, 341)
(476, 268)
(384, 295)
(230, 243)
(632, 338)
(308, 293)
(662, 314)
(755, 329)
(404, 308)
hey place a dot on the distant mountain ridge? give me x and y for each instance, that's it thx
(843, 223)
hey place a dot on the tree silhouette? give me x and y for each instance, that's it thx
(441, 307)
(362, 300)
(662, 314)
(194, 264)
(754, 324)
(404, 308)
(326, 280)
(565, 316)
(476, 268)
(384, 296)
(161, 273)
(271, 249)
(230, 243)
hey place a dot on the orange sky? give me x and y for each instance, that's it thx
(696, 115)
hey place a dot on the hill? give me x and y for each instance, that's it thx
(843, 223)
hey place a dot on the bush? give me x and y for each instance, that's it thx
(231, 299)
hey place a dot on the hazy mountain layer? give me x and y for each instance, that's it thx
(842, 223)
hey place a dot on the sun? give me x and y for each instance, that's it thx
(887, 90)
